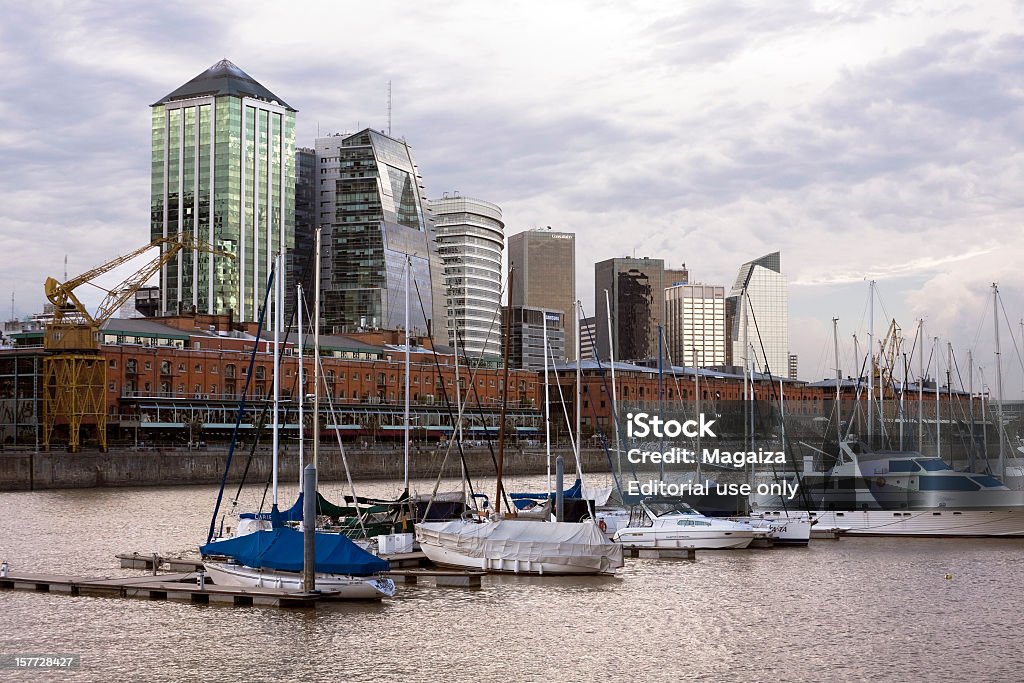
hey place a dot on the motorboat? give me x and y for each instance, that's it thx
(665, 523)
(904, 493)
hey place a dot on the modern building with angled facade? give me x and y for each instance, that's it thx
(373, 215)
(471, 238)
(223, 169)
(545, 277)
(759, 330)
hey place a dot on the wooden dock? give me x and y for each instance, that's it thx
(154, 561)
(182, 586)
(661, 554)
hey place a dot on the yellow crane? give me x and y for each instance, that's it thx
(74, 374)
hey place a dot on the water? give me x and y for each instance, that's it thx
(855, 609)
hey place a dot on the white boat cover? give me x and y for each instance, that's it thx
(578, 544)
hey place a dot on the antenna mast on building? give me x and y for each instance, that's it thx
(389, 108)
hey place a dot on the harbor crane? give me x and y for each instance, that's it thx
(74, 374)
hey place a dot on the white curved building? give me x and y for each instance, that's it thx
(471, 237)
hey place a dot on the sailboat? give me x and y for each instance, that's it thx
(275, 557)
(515, 545)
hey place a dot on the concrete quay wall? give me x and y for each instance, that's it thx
(25, 471)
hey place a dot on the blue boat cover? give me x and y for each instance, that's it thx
(294, 513)
(524, 500)
(282, 549)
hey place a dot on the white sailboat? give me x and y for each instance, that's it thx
(275, 557)
(516, 545)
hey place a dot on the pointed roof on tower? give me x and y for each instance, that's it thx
(223, 78)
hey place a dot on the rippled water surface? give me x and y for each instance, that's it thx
(854, 609)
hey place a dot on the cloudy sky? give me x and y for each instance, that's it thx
(863, 140)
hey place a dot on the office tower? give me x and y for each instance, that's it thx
(223, 167)
(677, 276)
(300, 259)
(762, 322)
(695, 325)
(545, 262)
(588, 338)
(636, 287)
(470, 239)
(527, 329)
(373, 215)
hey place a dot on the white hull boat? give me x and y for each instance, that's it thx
(666, 524)
(899, 493)
(520, 546)
(343, 586)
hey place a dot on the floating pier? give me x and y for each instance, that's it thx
(661, 554)
(182, 587)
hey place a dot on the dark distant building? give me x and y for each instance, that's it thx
(300, 259)
(223, 167)
(545, 277)
(527, 352)
(637, 296)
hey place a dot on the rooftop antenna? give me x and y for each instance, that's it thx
(389, 108)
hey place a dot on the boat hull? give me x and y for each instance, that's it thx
(926, 523)
(670, 539)
(342, 586)
(520, 547)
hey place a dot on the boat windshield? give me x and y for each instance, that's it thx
(932, 464)
(660, 509)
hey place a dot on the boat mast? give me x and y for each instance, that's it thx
(949, 398)
(408, 336)
(615, 395)
(316, 357)
(839, 380)
(970, 394)
(871, 362)
(547, 397)
(504, 391)
(920, 387)
(579, 406)
(999, 382)
(278, 291)
(938, 408)
(747, 381)
(302, 386)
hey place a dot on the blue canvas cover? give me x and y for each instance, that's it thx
(524, 500)
(282, 549)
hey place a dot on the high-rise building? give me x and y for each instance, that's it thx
(527, 329)
(470, 238)
(695, 325)
(300, 259)
(794, 365)
(545, 277)
(373, 215)
(636, 287)
(223, 167)
(587, 338)
(757, 317)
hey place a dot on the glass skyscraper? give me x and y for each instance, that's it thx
(223, 169)
(471, 237)
(759, 331)
(372, 207)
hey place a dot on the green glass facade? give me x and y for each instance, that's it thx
(223, 170)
